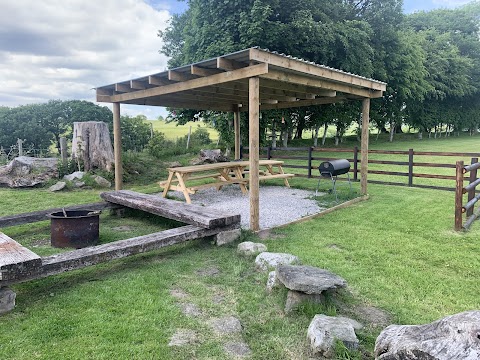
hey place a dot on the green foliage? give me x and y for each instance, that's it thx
(160, 147)
(135, 132)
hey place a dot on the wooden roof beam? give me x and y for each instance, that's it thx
(138, 85)
(229, 64)
(123, 88)
(322, 84)
(301, 103)
(200, 71)
(156, 80)
(229, 76)
(178, 76)
(315, 70)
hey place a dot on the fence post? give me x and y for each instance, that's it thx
(20, 147)
(355, 163)
(241, 152)
(471, 193)
(310, 150)
(459, 195)
(63, 149)
(410, 167)
(269, 155)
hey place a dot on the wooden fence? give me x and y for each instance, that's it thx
(473, 181)
(309, 155)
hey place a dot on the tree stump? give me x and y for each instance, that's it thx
(91, 144)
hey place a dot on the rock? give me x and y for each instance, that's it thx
(237, 348)
(308, 279)
(58, 186)
(454, 337)
(249, 248)
(296, 298)
(324, 330)
(77, 175)
(102, 182)
(79, 184)
(7, 300)
(25, 171)
(227, 237)
(183, 337)
(226, 325)
(209, 157)
(268, 260)
(173, 164)
(272, 281)
(190, 309)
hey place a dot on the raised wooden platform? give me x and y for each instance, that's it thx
(18, 264)
(171, 209)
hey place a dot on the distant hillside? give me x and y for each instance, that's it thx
(172, 131)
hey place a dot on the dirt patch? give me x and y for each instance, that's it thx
(41, 242)
(334, 247)
(183, 337)
(178, 293)
(210, 271)
(268, 234)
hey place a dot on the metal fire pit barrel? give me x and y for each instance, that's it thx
(334, 167)
(78, 229)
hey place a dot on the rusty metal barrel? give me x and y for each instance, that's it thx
(78, 229)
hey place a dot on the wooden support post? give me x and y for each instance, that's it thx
(364, 149)
(471, 193)
(459, 195)
(63, 150)
(254, 148)
(236, 126)
(310, 150)
(117, 145)
(410, 167)
(355, 163)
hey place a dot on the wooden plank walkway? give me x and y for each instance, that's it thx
(171, 209)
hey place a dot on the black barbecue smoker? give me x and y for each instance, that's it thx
(332, 169)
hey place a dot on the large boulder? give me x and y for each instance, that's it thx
(267, 260)
(454, 337)
(308, 279)
(25, 171)
(209, 157)
(324, 330)
(249, 248)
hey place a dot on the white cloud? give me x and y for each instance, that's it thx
(54, 49)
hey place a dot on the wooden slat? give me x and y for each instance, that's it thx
(300, 103)
(15, 260)
(200, 71)
(208, 167)
(138, 85)
(81, 258)
(122, 88)
(31, 217)
(229, 64)
(178, 76)
(156, 80)
(170, 209)
(228, 76)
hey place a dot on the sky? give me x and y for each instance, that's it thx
(55, 49)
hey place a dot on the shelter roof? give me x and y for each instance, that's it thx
(221, 84)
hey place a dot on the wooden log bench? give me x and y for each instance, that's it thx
(19, 264)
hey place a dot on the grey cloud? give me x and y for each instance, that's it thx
(29, 42)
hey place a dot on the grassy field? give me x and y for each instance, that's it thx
(173, 131)
(397, 251)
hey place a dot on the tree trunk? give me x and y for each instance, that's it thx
(392, 131)
(274, 138)
(324, 137)
(285, 138)
(315, 136)
(420, 135)
(91, 144)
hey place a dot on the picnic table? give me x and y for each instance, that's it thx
(225, 173)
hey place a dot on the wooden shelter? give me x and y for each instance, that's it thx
(249, 80)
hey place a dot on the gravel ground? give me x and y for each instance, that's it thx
(278, 204)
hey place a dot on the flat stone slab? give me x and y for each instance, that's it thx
(237, 348)
(268, 260)
(7, 300)
(183, 337)
(308, 279)
(324, 330)
(226, 325)
(249, 248)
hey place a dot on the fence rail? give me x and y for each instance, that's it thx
(311, 156)
(472, 197)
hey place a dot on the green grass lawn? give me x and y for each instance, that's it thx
(173, 131)
(397, 251)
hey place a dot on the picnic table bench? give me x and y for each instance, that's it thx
(225, 173)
